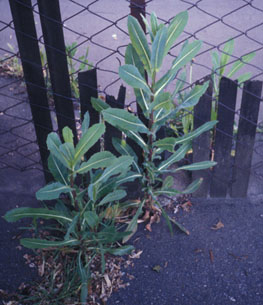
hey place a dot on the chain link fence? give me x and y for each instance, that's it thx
(95, 34)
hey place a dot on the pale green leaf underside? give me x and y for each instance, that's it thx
(121, 118)
(44, 213)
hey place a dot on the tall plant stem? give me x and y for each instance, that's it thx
(149, 181)
(75, 203)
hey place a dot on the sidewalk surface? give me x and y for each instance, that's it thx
(208, 267)
(212, 267)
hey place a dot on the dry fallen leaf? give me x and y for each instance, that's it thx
(157, 268)
(186, 206)
(218, 226)
(136, 255)
(107, 280)
(211, 256)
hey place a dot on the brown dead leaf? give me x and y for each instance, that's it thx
(41, 268)
(157, 268)
(211, 256)
(165, 264)
(146, 215)
(186, 206)
(107, 280)
(148, 227)
(136, 255)
(218, 226)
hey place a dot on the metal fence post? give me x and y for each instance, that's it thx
(224, 136)
(30, 56)
(201, 145)
(138, 8)
(246, 134)
(57, 62)
(88, 88)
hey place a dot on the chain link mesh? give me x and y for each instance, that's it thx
(100, 27)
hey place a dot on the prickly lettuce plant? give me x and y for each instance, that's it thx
(158, 105)
(219, 66)
(88, 195)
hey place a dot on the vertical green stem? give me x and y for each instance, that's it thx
(75, 203)
(149, 159)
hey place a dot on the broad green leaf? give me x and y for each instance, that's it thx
(131, 75)
(194, 186)
(186, 54)
(180, 83)
(114, 196)
(161, 116)
(67, 135)
(34, 243)
(137, 139)
(166, 143)
(98, 160)
(167, 192)
(158, 46)
(110, 235)
(166, 217)
(190, 136)
(92, 219)
(143, 99)
(68, 150)
(43, 213)
(227, 52)
(175, 157)
(240, 63)
(132, 58)
(72, 227)
(197, 166)
(87, 140)
(52, 191)
(53, 144)
(130, 176)
(163, 82)
(154, 23)
(181, 227)
(85, 123)
(92, 191)
(111, 184)
(163, 100)
(132, 226)
(84, 279)
(119, 165)
(121, 250)
(168, 182)
(215, 61)
(192, 98)
(121, 118)
(124, 149)
(175, 29)
(244, 77)
(139, 42)
(148, 27)
(98, 104)
(58, 170)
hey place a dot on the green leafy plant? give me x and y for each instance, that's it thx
(12, 65)
(158, 106)
(73, 66)
(89, 199)
(219, 67)
(71, 51)
(218, 71)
